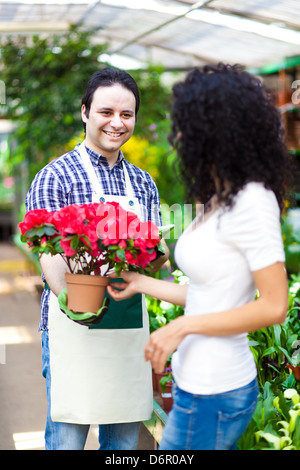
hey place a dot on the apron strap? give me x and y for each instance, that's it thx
(93, 177)
(129, 188)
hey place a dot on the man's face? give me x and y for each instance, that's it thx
(111, 120)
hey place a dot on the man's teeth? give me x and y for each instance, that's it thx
(113, 134)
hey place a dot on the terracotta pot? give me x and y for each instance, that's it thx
(154, 382)
(85, 292)
(167, 398)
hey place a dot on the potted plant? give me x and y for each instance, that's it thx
(165, 388)
(94, 240)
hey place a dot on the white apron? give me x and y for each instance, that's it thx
(99, 376)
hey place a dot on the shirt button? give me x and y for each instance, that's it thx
(131, 203)
(102, 199)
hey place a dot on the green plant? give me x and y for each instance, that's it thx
(275, 423)
(288, 435)
(149, 149)
(160, 312)
(275, 347)
(166, 379)
(291, 240)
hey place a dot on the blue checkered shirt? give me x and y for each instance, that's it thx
(64, 181)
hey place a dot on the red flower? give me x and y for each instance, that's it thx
(145, 258)
(130, 258)
(113, 223)
(35, 218)
(141, 244)
(93, 235)
(145, 230)
(66, 246)
(142, 259)
(70, 219)
(44, 242)
(122, 244)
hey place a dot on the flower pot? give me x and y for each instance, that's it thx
(167, 397)
(154, 382)
(85, 292)
(165, 391)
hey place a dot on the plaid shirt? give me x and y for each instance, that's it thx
(64, 181)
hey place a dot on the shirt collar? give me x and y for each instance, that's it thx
(98, 158)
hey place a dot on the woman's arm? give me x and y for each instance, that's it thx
(270, 308)
(140, 283)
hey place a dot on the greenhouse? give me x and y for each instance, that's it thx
(154, 146)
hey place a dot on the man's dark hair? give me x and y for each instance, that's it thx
(107, 78)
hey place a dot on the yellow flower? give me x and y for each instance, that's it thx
(142, 154)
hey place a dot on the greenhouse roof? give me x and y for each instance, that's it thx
(176, 34)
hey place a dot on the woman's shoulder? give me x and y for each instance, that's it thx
(256, 196)
(253, 226)
(253, 206)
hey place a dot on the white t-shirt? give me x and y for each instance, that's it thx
(219, 256)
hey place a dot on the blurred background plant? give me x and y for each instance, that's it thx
(276, 421)
(44, 78)
(291, 238)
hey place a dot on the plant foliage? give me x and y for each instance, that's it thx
(45, 78)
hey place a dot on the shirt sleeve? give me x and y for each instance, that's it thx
(155, 209)
(253, 227)
(46, 192)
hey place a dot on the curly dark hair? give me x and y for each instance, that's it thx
(226, 127)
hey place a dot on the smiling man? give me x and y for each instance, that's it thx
(110, 120)
(108, 383)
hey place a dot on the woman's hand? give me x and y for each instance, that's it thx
(136, 283)
(163, 342)
(128, 288)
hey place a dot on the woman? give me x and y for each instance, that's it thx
(229, 140)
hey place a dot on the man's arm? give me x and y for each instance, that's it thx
(54, 269)
(159, 262)
(48, 192)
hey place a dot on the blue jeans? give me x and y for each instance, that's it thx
(66, 436)
(209, 422)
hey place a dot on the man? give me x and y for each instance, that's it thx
(95, 170)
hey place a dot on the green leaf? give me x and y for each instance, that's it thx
(121, 254)
(74, 242)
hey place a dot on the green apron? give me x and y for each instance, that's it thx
(122, 314)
